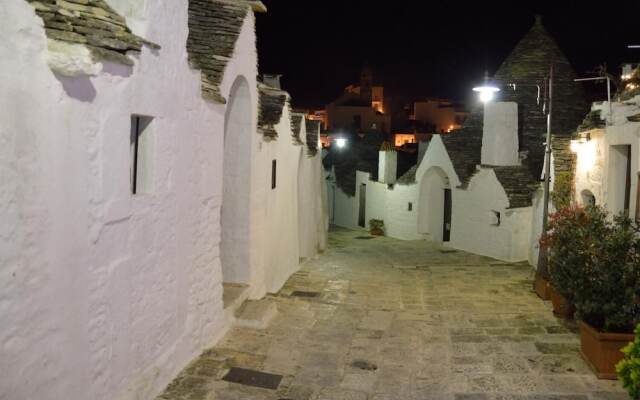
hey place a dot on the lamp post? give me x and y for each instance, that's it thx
(542, 272)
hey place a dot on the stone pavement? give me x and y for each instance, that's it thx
(383, 319)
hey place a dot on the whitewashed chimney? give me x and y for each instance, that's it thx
(500, 134)
(387, 164)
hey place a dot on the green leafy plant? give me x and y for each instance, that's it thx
(607, 292)
(629, 368)
(571, 232)
(562, 190)
(376, 227)
(595, 263)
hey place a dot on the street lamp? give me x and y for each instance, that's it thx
(486, 92)
(341, 142)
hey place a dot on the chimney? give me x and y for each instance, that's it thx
(500, 134)
(387, 164)
(272, 80)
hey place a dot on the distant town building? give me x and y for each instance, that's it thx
(360, 109)
(442, 115)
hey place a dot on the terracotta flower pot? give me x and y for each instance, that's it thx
(541, 287)
(602, 351)
(562, 308)
(376, 232)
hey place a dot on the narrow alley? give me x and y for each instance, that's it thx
(382, 319)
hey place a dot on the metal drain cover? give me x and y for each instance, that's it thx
(365, 237)
(253, 378)
(302, 293)
(365, 365)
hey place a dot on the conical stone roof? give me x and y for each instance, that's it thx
(526, 67)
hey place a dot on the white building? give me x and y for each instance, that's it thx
(608, 165)
(136, 179)
(477, 189)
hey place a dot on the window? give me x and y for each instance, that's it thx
(410, 207)
(495, 218)
(141, 165)
(273, 174)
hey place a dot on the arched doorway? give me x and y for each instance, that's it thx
(435, 204)
(588, 199)
(235, 215)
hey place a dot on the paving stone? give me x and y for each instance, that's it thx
(454, 327)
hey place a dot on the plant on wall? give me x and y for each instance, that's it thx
(376, 227)
(562, 190)
(629, 368)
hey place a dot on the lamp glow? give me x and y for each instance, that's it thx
(341, 142)
(486, 93)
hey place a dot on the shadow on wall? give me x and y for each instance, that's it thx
(79, 88)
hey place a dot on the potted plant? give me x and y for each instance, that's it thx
(376, 227)
(565, 240)
(607, 290)
(629, 368)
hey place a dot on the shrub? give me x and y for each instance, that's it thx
(572, 233)
(629, 368)
(376, 227)
(595, 263)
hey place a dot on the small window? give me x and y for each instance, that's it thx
(141, 165)
(495, 218)
(273, 174)
(410, 207)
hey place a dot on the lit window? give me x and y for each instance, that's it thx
(141, 165)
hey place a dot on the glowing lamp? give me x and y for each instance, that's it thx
(486, 92)
(341, 142)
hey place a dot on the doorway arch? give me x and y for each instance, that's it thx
(236, 172)
(435, 205)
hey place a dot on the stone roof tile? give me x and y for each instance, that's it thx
(272, 103)
(92, 23)
(214, 27)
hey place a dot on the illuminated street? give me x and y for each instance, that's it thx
(402, 320)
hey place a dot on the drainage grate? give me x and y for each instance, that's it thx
(253, 378)
(365, 365)
(302, 293)
(365, 237)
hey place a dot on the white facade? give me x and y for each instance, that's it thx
(105, 294)
(481, 220)
(605, 155)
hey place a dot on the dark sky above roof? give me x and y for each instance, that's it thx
(417, 48)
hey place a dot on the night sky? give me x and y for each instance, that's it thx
(417, 49)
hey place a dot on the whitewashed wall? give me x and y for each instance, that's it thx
(473, 222)
(106, 295)
(293, 215)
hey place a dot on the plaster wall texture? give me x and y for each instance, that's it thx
(474, 224)
(601, 166)
(105, 295)
(500, 134)
(294, 213)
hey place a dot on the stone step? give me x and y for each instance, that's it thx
(256, 314)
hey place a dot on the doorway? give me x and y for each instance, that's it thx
(620, 178)
(446, 226)
(363, 205)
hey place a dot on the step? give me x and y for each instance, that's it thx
(256, 314)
